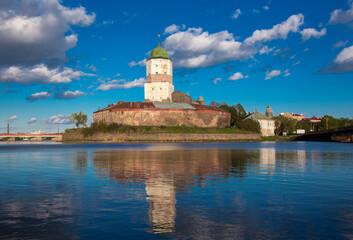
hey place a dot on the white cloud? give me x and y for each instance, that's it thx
(32, 120)
(266, 7)
(32, 31)
(13, 118)
(216, 80)
(236, 76)
(194, 48)
(340, 44)
(286, 73)
(341, 16)
(106, 22)
(122, 84)
(279, 31)
(70, 94)
(236, 14)
(343, 62)
(307, 33)
(39, 74)
(272, 74)
(37, 96)
(266, 50)
(57, 119)
(346, 55)
(171, 29)
(296, 63)
(91, 67)
(140, 63)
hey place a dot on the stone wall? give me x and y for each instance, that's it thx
(76, 136)
(164, 117)
(180, 97)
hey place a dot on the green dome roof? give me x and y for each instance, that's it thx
(159, 52)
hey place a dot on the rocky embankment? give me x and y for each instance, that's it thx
(75, 135)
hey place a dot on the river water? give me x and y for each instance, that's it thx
(288, 190)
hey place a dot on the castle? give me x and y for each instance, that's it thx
(163, 106)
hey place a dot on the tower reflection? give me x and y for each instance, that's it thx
(168, 170)
(164, 172)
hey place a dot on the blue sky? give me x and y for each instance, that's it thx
(59, 57)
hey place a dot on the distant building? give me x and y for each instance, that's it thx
(163, 106)
(269, 112)
(267, 125)
(312, 120)
(296, 116)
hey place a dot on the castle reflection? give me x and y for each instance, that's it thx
(167, 171)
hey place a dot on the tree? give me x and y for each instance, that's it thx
(329, 122)
(79, 119)
(303, 125)
(214, 103)
(249, 125)
(284, 124)
(234, 117)
(241, 111)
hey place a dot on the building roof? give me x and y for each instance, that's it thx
(159, 52)
(312, 118)
(159, 105)
(173, 105)
(257, 116)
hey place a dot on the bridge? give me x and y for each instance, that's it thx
(344, 134)
(31, 137)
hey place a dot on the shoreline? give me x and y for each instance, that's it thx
(166, 138)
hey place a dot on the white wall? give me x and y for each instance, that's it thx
(267, 127)
(158, 91)
(159, 66)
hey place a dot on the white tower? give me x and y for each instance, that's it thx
(159, 74)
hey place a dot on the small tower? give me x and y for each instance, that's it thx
(269, 112)
(200, 100)
(159, 74)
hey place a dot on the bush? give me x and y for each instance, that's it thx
(249, 125)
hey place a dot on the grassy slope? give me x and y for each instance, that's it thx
(115, 128)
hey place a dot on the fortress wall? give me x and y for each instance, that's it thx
(164, 117)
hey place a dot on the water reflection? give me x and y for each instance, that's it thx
(112, 192)
(80, 162)
(164, 173)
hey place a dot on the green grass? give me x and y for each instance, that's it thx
(116, 128)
